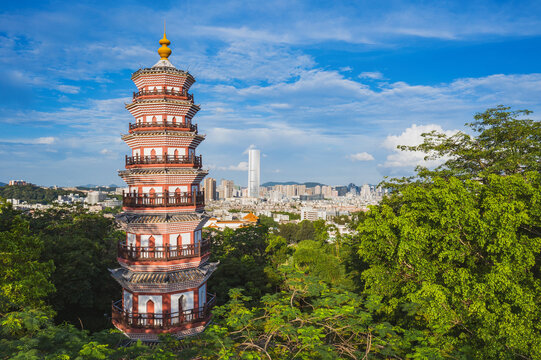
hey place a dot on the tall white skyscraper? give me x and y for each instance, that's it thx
(253, 173)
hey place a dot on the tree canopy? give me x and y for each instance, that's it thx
(24, 279)
(503, 143)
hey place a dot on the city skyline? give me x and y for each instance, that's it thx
(325, 92)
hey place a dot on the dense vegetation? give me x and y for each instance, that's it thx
(33, 194)
(448, 266)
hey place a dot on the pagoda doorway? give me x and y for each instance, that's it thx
(150, 312)
(152, 196)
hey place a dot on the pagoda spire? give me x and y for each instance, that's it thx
(164, 51)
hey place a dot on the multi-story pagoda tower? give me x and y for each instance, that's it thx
(164, 260)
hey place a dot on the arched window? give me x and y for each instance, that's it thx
(153, 155)
(154, 120)
(176, 154)
(174, 119)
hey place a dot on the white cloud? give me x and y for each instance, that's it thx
(252, 146)
(376, 75)
(48, 140)
(411, 137)
(44, 140)
(280, 106)
(241, 166)
(68, 89)
(362, 156)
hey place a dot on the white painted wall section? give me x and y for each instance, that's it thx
(148, 151)
(158, 240)
(187, 301)
(128, 302)
(131, 239)
(142, 303)
(202, 295)
(146, 189)
(171, 151)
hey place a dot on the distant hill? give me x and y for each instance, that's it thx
(2, 184)
(98, 187)
(308, 184)
(32, 194)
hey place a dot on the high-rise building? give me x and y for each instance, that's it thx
(326, 191)
(164, 259)
(365, 192)
(210, 189)
(253, 173)
(227, 187)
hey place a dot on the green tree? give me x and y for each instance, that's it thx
(278, 252)
(305, 231)
(32, 335)
(243, 257)
(318, 259)
(503, 143)
(288, 231)
(308, 319)
(24, 279)
(83, 247)
(461, 259)
(321, 230)
(267, 221)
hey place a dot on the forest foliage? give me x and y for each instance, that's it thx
(446, 267)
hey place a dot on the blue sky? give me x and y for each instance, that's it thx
(326, 90)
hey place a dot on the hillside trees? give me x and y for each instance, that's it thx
(463, 259)
(24, 278)
(243, 257)
(307, 319)
(33, 194)
(83, 247)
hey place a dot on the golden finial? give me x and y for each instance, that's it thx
(164, 51)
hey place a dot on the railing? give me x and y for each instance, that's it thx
(169, 92)
(196, 161)
(162, 253)
(162, 321)
(166, 124)
(166, 199)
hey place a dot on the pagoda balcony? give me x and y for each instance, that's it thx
(165, 321)
(192, 160)
(162, 253)
(166, 199)
(188, 126)
(184, 95)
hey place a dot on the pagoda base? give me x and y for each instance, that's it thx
(154, 336)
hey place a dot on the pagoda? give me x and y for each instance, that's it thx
(164, 261)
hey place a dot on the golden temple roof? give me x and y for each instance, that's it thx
(251, 217)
